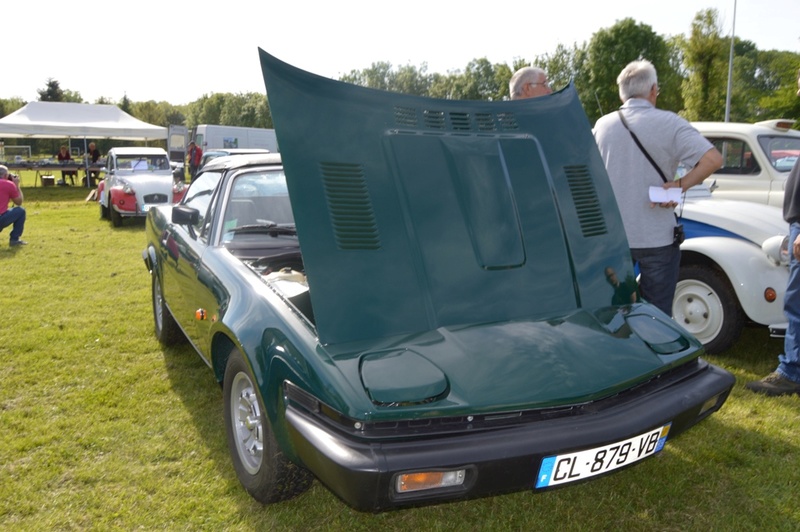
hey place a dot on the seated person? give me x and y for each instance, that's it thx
(64, 157)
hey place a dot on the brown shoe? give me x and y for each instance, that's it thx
(774, 384)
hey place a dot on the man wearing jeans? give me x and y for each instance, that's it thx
(10, 191)
(785, 380)
(668, 140)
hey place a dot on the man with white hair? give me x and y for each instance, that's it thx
(642, 147)
(528, 82)
(10, 191)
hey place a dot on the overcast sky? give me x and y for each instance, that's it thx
(178, 51)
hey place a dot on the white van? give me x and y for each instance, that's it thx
(214, 137)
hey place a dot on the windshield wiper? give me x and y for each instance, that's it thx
(266, 227)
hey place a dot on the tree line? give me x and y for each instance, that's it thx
(692, 72)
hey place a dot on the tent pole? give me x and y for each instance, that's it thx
(86, 163)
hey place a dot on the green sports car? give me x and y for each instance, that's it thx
(413, 301)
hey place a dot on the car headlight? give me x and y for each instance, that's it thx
(777, 249)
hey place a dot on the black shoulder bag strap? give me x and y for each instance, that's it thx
(644, 151)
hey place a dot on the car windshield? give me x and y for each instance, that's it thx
(138, 163)
(782, 151)
(258, 199)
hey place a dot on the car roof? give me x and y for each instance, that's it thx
(765, 127)
(138, 150)
(417, 214)
(233, 151)
(228, 162)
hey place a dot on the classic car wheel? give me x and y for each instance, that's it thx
(706, 306)
(103, 211)
(167, 330)
(116, 217)
(264, 471)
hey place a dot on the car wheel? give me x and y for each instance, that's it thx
(116, 217)
(167, 330)
(264, 471)
(706, 306)
(103, 210)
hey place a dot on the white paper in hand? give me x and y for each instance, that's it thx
(665, 195)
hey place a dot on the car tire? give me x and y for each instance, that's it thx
(116, 217)
(167, 330)
(103, 211)
(262, 468)
(706, 306)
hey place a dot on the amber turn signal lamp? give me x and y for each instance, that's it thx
(426, 480)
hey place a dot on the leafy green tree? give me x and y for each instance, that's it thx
(563, 65)
(607, 54)
(173, 113)
(409, 79)
(706, 59)
(777, 76)
(52, 92)
(377, 76)
(244, 109)
(479, 82)
(125, 104)
(443, 85)
(150, 112)
(8, 106)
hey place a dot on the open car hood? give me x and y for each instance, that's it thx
(415, 214)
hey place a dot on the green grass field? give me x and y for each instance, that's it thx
(102, 429)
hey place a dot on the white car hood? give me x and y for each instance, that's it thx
(752, 221)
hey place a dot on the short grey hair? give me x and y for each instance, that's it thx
(3, 171)
(522, 77)
(636, 80)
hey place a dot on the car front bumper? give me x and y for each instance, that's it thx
(363, 471)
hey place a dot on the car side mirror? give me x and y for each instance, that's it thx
(183, 215)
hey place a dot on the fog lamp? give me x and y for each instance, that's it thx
(427, 480)
(708, 405)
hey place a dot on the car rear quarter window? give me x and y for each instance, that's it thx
(737, 156)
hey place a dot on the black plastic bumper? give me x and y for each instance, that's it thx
(362, 472)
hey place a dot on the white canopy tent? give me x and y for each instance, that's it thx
(57, 120)
(51, 120)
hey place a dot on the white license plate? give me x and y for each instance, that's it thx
(564, 468)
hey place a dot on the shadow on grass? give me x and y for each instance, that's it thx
(56, 194)
(194, 383)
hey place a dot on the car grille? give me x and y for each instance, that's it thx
(155, 198)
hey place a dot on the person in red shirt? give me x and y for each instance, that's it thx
(10, 191)
(195, 154)
(64, 157)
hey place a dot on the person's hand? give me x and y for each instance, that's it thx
(796, 247)
(665, 205)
